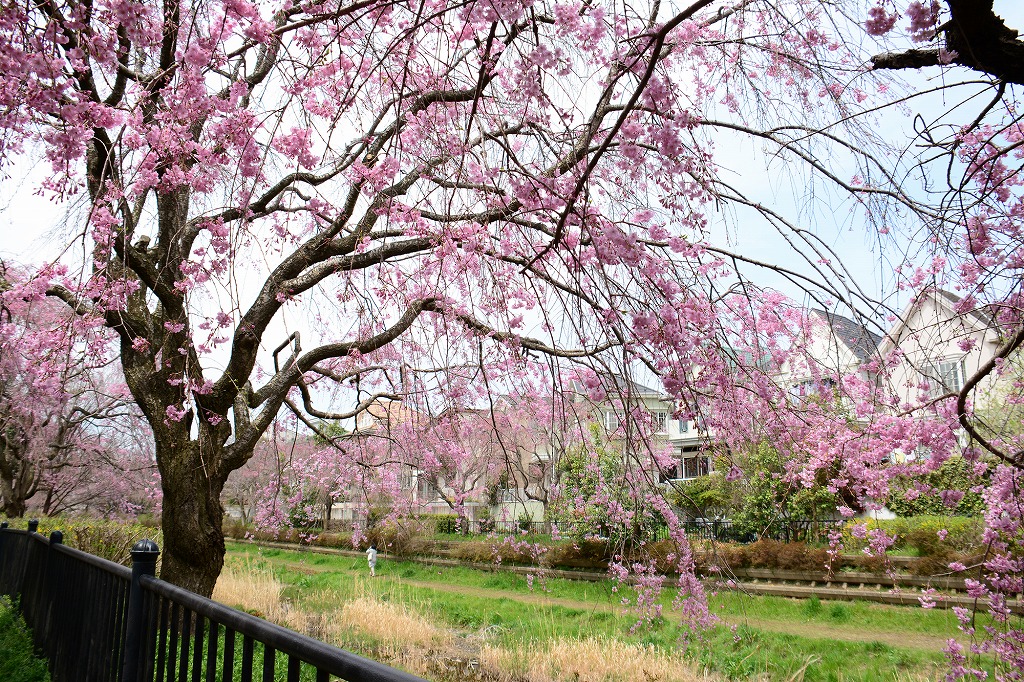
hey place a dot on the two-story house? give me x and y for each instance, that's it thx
(942, 342)
(680, 440)
(830, 347)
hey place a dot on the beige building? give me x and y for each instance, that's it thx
(941, 345)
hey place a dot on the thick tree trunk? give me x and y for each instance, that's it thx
(193, 551)
(14, 509)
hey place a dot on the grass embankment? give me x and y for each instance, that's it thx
(461, 623)
(18, 662)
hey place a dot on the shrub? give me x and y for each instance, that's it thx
(108, 539)
(733, 556)
(446, 524)
(525, 522)
(486, 523)
(872, 564)
(797, 556)
(234, 528)
(665, 555)
(956, 473)
(334, 540)
(580, 554)
(399, 538)
(476, 552)
(18, 663)
(764, 553)
(963, 534)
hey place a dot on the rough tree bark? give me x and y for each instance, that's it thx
(978, 39)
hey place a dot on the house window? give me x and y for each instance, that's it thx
(694, 467)
(425, 490)
(406, 479)
(684, 426)
(659, 419)
(611, 421)
(944, 376)
(691, 464)
(811, 388)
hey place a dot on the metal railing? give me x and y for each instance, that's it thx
(96, 620)
(789, 530)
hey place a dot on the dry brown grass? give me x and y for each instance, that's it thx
(400, 635)
(388, 622)
(251, 589)
(592, 660)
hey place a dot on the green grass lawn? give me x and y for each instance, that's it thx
(761, 636)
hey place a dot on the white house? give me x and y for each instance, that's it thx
(942, 343)
(832, 347)
(656, 413)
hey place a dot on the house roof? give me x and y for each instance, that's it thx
(979, 314)
(854, 335)
(628, 386)
(946, 298)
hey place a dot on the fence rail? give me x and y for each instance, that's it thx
(789, 530)
(97, 620)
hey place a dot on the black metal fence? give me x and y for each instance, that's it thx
(788, 530)
(96, 620)
(815, 531)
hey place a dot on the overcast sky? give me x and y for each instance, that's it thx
(34, 229)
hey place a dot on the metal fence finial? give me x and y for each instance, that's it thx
(144, 556)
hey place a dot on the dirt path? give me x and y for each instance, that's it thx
(809, 630)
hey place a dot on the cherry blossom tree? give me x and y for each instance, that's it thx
(454, 199)
(69, 431)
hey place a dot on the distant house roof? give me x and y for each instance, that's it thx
(855, 336)
(978, 314)
(385, 412)
(628, 386)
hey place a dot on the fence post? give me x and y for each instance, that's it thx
(144, 555)
(33, 526)
(43, 628)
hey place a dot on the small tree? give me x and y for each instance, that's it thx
(767, 497)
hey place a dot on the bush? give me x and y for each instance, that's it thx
(665, 554)
(108, 539)
(334, 540)
(732, 556)
(476, 552)
(956, 473)
(771, 554)
(446, 524)
(234, 528)
(963, 533)
(764, 554)
(18, 663)
(872, 564)
(525, 522)
(399, 538)
(484, 520)
(580, 554)
(797, 556)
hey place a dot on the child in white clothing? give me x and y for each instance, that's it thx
(371, 558)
